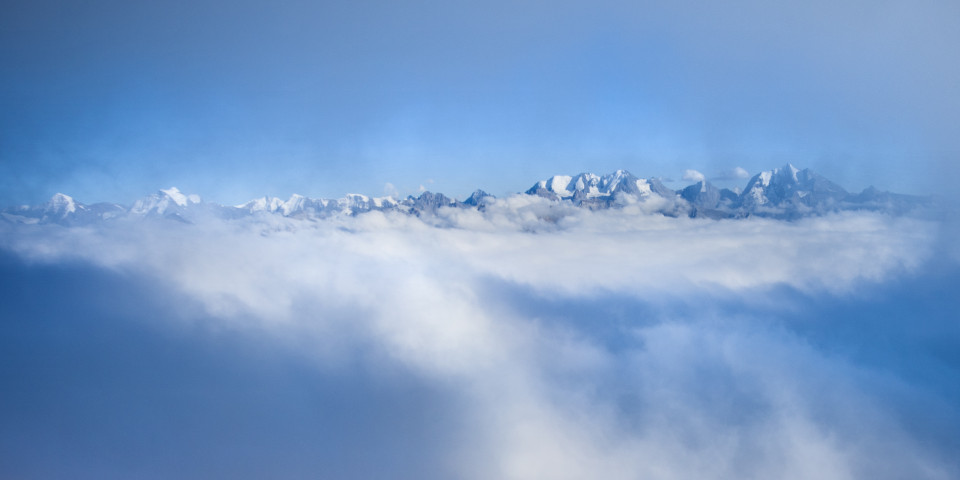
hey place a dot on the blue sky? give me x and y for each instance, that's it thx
(111, 100)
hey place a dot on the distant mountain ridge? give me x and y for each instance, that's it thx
(785, 192)
(594, 191)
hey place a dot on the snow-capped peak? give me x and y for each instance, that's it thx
(765, 177)
(179, 198)
(296, 203)
(356, 197)
(162, 201)
(582, 185)
(593, 191)
(61, 204)
(610, 182)
(793, 171)
(558, 184)
(262, 204)
(788, 185)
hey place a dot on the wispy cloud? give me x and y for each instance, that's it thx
(737, 173)
(692, 176)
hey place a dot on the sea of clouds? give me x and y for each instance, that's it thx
(528, 340)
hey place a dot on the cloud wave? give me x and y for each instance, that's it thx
(706, 393)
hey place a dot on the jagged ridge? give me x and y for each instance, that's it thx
(785, 192)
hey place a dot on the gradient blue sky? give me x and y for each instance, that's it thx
(111, 100)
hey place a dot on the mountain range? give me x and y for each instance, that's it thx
(786, 192)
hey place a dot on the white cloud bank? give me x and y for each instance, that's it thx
(703, 397)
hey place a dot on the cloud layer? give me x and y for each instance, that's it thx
(577, 344)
